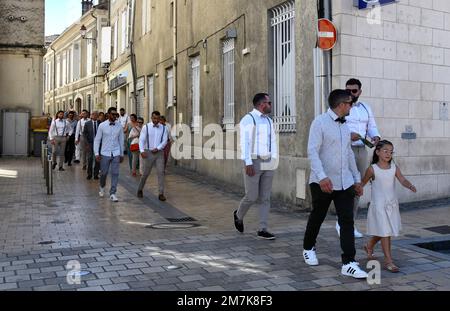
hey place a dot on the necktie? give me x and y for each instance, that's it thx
(155, 125)
(95, 128)
(341, 120)
(112, 123)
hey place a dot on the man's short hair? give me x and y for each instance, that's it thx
(122, 109)
(163, 118)
(156, 113)
(59, 112)
(258, 98)
(338, 96)
(354, 82)
(112, 109)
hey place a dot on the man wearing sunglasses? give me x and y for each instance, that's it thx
(361, 122)
(108, 148)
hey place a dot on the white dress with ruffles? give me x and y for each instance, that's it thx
(383, 217)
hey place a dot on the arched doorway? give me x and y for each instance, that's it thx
(78, 105)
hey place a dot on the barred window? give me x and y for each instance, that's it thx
(283, 32)
(228, 83)
(195, 92)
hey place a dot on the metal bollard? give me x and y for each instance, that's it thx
(50, 176)
(46, 169)
(43, 144)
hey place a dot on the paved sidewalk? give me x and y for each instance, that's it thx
(112, 243)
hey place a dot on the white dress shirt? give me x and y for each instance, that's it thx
(265, 144)
(330, 152)
(111, 138)
(59, 127)
(80, 128)
(362, 121)
(124, 120)
(153, 136)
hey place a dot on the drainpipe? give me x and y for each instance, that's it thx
(175, 60)
(133, 55)
(54, 74)
(97, 67)
(322, 66)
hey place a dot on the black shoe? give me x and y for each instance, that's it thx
(239, 224)
(162, 198)
(69, 164)
(61, 169)
(84, 167)
(265, 235)
(96, 177)
(89, 177)
(54, 166)
(140, 194)
(76, 161)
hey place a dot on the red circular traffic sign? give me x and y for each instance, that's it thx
(326, 34)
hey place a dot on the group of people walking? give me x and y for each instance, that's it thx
(339, 172)
(102, 141)
(337, 150)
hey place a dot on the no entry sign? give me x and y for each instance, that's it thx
(327, 34)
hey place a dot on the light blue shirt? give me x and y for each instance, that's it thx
(265, 144)
(330, 152)
(111, 138)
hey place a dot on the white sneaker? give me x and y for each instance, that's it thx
(358, 234)
(310, 257)
(102, 192)
(352, 269)
(114, 198)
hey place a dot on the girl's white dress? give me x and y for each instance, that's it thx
(383, 217)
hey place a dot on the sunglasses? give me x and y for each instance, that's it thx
(354, 91)
(140, 122)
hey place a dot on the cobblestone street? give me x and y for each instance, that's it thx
(40, 234)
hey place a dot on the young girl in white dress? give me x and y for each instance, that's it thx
(383, 218)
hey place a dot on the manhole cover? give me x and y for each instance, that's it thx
(185, 219)
(440, 229)
(172, 226)
(46, 242)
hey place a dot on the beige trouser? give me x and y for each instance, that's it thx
(153, 158)
(58, 150)
(257, 190)
(361, 158)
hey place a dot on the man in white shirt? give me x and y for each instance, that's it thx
(124, 119)
(58, 135)
(334, 178)
(259, 149)
(108, 149)
(361, 122)
(79, 138)
(152, 140)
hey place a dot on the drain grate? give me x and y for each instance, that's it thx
(442, 247)
(184, 219)
(172, 226)
(439, 229)
(57, 222)
(46, 242)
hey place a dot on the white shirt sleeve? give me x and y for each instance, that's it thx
(51, 132)
(372, 130)
(314, 144)
(246, 128)
(143, 138)
(78, 131)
